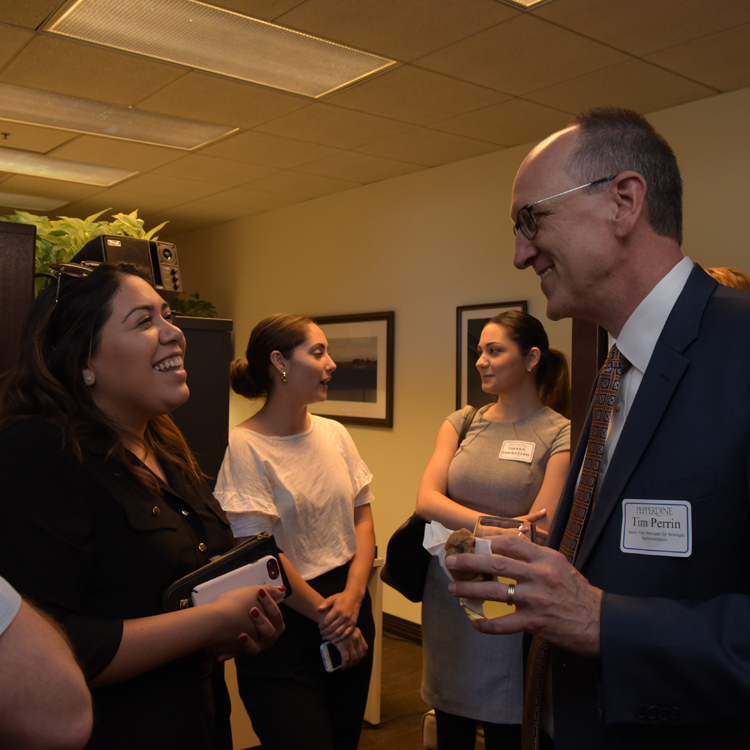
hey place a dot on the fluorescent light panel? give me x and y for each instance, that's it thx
(22, 104)
(30, 202)
(219, 41)
(37, 165)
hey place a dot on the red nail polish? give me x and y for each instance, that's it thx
(243, 638)
(255, 612)
(262, 594)
(282, 589)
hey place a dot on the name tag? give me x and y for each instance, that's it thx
(517, 450)
(657, 527)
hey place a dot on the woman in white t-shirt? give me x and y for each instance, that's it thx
(299, 477)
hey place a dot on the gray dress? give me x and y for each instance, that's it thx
(465, 672)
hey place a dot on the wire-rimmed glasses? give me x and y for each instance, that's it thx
(526, 221)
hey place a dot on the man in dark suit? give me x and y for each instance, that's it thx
(649, 630)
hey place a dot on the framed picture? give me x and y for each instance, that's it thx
(361, 389)
(470, 319)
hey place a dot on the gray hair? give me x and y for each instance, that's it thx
(613, 140)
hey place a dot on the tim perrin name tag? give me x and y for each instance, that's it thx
(517, 450)
(657, 527)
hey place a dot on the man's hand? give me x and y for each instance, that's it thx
(552, 598)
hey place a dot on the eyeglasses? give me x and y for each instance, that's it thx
(84, 268)
(526, 221)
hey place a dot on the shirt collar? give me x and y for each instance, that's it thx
(642, 329)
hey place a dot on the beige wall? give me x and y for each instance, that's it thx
(422, 245)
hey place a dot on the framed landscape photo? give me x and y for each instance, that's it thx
(470, 319)
(361, 389)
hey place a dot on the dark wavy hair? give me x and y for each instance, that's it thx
(250, 375)
(59, 338)
(613, 140)
(552, 373)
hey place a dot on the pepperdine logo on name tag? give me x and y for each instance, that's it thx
(657, 527)
(517, 450)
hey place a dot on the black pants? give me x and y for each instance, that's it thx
(460, 733)
(293, 702)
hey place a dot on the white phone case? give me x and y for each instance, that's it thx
(331, 656)
(267, 570)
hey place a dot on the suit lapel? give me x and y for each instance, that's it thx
(665, 370)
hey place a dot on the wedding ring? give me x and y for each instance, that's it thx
(511, 594)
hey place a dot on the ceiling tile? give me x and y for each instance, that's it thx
(210, 169)
(720, 60)
(415, 95)
(300, 185)
(333, 126)
(32, 137)
(399, 29)
(172, 190)
(211, 98)
(268, 150)
(205, 210)
(84, 70)
(521, 55)
(429, 148)
(11, 41)
(642, 26)
(113, 152)
(27, 13)
(509, 123)
(27, 185)
(363, 168)
(253, 200)
(633, 84)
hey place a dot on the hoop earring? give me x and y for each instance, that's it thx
(283, 376)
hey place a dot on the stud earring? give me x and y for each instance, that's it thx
(283, 376)
(88, 378)
(528, 369)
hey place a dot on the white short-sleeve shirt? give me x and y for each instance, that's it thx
(301, 488)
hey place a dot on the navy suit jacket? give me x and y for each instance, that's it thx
(674, 670)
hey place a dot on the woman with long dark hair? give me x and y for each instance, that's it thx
(103, 506)
(512, 462)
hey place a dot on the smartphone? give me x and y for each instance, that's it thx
(331, 656)
(261, 572)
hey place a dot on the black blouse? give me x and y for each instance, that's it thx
(92, 546)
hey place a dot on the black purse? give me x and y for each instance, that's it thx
(406, 559)
(178, 595)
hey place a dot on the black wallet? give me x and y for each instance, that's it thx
(178, 595)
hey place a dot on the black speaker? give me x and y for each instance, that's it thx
(158, 259)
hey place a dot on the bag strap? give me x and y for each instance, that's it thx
(467, 423)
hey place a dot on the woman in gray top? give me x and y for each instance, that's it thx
(512, 462)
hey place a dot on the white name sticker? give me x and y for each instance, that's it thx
(657, 527)
(517, 450)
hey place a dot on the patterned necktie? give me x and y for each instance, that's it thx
(605, 396)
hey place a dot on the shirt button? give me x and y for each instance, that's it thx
(155, 510)
(618, 406)
(202, 547)
(185, 513)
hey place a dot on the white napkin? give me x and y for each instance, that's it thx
(435, 537)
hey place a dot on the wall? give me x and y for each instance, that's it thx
(422, 245)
